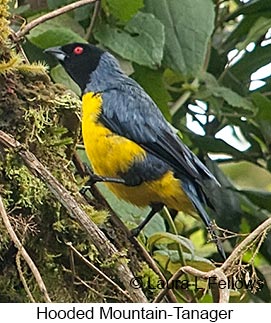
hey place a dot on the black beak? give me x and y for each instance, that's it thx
(57, 52)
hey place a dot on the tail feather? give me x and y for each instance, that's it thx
(198, 202)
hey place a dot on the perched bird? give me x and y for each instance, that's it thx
(128, 141)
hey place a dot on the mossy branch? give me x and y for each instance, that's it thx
(15, 63)
(23, 252)
(106, 249)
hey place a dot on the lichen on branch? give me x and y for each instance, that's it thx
(4, 22)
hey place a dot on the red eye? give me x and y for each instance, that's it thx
(78, 50)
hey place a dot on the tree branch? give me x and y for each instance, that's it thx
(90, 265)
(96, 11)
(241, 248)
(106, 249)
(183, 98)
(23, 252)
(32, 24)
(220, 295)
(21, 275)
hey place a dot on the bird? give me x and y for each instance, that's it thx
(130, 144)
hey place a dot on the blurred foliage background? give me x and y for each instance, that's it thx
(207, 66)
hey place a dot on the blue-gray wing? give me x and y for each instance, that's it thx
(130, 112)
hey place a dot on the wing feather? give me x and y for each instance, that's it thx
(137, 118)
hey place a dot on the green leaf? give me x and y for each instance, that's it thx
(250, 24)
(55, 32)
(53, 4)
(59, 75)
(217, 62)
(232, 98)
(264, 106)
(20, 9)
(260, 198)
(124, 10)
(238, 173)
(266, 88)
(258, 7)
(152, 82)
(170, 260)
(188, 25)
(215, 145)
(258, 29)
(83, 13)
(162, 257)
(199, 263)
(264, 115)
(249, 63)
(166, 238)
(55, 37)
(140, 45)
(79, 14)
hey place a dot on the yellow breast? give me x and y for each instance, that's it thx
(111, 154)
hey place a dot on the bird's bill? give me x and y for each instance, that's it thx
(57, 52)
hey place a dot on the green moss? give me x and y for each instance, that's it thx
(149, 280)
(4, 22)
(118, 257)
(45, 118)
(98, 217)
(24, 190)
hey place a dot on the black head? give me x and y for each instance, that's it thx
(78, 59)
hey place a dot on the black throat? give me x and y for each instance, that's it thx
(80, 67)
